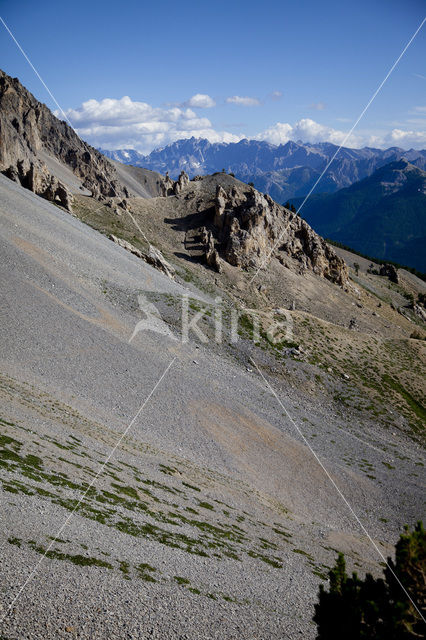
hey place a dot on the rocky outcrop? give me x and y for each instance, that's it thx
(389, 271)
(210, 252)
(181, 183)
(166, 186)
(419, 312)
(37, 179)
(28, 127)
(126, 245)
(249, 225)
(154, 257)
(219, 206)
(173, 188)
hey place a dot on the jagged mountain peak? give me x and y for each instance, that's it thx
(283, 171)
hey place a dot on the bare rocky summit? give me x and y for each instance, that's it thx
(251, 225)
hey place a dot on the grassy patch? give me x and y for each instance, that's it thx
(190, 486)
(16, 541)
(388, 465)
(206, 505)
(169, 471)
(128, 491)
(144, 572)
(417, 408)
(82, 561)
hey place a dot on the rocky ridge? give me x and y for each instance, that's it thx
(285, 171)
(248, 226)
(28, 129)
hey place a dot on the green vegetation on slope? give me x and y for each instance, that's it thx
(379, 609)
(383, 215)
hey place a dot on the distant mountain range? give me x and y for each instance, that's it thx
(383, 215)
(286, 171)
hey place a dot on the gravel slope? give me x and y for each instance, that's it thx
(212, 518)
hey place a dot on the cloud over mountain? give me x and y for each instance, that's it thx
(124, 123)
(405, 139)
(113, 123)
(307, 130)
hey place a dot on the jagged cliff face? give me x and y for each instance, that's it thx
(247, 226)
(28, 128)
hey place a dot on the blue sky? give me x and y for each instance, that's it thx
(272, 70)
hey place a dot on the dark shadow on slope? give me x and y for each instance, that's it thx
(192, 220)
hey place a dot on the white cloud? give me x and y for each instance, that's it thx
(200, 101)
(307, 130)
(243, 101)
(276, 95)
(405, 139)
(318, 106)
(124, 123)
